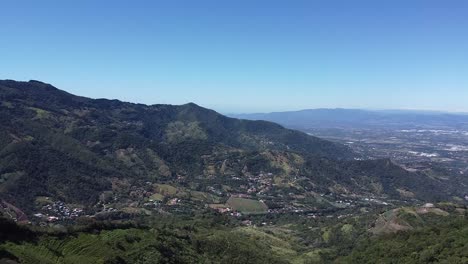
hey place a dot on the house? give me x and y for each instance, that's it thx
(428, 205)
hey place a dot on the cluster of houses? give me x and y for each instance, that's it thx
(225, 209)
(259, 184)
(58, 211)
(214, 190)
(138, 192)
(373, 200)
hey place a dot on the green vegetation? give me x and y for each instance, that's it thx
(212, 238)
(166, 189)
(157, 197)
(445, 243)
(168, 241)
(178, 131)
(204, 197)
(40, 113)
(247, 206)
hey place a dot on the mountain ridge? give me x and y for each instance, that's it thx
(79, 150)
(342, 117)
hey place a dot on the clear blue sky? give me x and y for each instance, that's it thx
(244, 55)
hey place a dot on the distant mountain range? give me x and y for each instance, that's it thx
(343, 118)
(75, 149)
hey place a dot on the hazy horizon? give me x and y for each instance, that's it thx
(264, 112)
(245, 56)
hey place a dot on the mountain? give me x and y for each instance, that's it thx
(58, 149)
(356, 118)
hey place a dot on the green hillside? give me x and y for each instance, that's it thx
(212, 238)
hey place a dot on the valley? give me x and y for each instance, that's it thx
(416, 148)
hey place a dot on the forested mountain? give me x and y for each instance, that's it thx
(50, 136)
(105, 181)
(75, 149)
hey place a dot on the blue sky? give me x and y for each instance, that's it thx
(244, 56)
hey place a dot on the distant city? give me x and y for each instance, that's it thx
(415, 139)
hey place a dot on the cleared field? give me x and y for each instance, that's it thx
(157, 197)
(205, 197)
(217, 206)
(247, 206)
(165, 189)
(170, 191)
(43, 200)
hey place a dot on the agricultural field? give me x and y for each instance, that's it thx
(247, 206)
